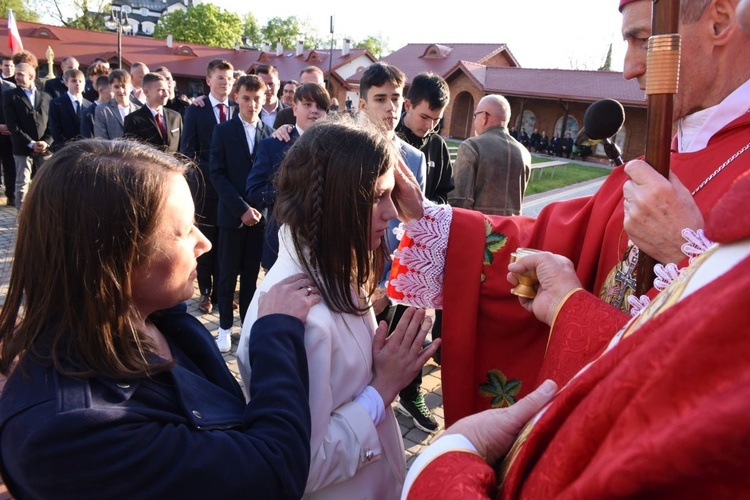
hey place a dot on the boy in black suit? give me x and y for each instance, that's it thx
(66, 110)
(26, 114)
(196, 144)
(153, 123)
(240, 232)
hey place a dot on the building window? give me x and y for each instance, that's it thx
(571, 126)
(528, 122)
(126, 9)
(144, 11)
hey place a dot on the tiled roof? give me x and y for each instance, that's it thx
(586, 86)
(86, 45)
(440, 58)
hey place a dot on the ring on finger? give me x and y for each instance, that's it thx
(309, 290)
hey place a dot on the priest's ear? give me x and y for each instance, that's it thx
(723, 21)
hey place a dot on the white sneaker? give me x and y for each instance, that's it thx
(224, 341)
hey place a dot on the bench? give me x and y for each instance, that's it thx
(547, 164)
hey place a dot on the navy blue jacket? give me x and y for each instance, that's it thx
(185, 433)
(64, 123)
(230, 166)
(261, 191)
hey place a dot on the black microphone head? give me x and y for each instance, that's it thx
(603, 119)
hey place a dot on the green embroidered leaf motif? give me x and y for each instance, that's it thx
(495, 241)
(502, 391)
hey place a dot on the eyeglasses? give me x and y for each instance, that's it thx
(479, 113)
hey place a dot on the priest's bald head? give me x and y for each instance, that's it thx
(711, 39)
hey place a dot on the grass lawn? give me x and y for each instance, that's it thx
(564, 175)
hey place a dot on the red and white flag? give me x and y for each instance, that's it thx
(14, 38)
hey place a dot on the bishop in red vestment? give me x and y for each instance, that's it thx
(494, 350)
(662, 413)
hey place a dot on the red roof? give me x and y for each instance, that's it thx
(574, 85)
(440, 58)
(183, 59)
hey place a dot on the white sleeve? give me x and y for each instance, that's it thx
(451, 442)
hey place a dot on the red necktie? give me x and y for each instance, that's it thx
(162, 128)
(222, 112)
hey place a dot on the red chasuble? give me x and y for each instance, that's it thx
(490, 343)
(663, 414)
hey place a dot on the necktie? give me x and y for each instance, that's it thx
(78, 108)
(222, 112)
(162, 128)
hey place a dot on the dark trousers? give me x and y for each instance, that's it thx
(240, 252)
(392, 315)
(208, 268)
(9, 168)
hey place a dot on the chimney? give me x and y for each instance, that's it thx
(300, 47)
(279, 48)
(169, 41)
(266, 47)
(346, 47)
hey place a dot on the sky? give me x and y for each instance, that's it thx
(567, 34)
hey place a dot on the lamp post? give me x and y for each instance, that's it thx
(118, 20)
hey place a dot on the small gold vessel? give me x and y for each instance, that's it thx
(527, 281)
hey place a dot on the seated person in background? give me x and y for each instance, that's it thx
(334, 204)
(116, 391)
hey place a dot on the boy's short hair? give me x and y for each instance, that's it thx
(220, 64)
(73, 73)
(313, 92)
(150, 78)
(102, 81)
(120, 75)
(431, 88)
(267, 69)
(97, 69)
(250, 83)
(377, 74)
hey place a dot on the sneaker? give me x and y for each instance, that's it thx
(224, 340)
(204, 304)
(418, 411)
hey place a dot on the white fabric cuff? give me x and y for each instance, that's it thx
(372, 402)
(451, 442)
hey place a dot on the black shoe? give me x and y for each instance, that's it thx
(418, 411)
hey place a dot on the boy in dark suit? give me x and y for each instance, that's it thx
(87, 116)
(65, 111)
(311, 102)
(240, 232)
(153, 123)
(196, 144)
(26, 114)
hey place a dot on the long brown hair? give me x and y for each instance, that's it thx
(325, 196)
(86, 223)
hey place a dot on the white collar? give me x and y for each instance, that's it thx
(695, 130)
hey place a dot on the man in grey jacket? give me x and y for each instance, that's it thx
(491, 169)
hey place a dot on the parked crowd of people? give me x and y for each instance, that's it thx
(583, 389)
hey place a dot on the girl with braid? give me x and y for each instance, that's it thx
(333, 204)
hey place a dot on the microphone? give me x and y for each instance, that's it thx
(602, 121)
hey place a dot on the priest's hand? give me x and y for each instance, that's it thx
(407, 196)
(557, 277)
(492, 432)
(657, 210)
(397, 359)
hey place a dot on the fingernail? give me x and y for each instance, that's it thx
(548, 387)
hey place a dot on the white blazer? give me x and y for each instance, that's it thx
(351, 458)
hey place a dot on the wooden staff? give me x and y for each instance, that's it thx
(662, 77)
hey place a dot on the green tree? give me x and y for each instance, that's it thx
(607, 65)
(251, 31)
(21, 10)
(377, 45)
(289, 31)
(205, 24)
(83, 14)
